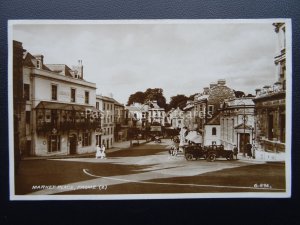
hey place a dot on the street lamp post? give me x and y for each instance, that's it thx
(244, 125)
(244, 120)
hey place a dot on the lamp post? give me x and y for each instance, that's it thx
(244, 125)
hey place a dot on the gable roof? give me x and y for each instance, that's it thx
(243, 126)
(30, 61)
(61, 69)
(215, 120)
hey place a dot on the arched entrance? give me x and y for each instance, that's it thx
(73, 144)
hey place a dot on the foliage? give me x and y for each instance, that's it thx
(137, 97)
(151, 94)
(177, 101)
(239, 94)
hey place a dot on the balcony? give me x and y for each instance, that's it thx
(67, 126)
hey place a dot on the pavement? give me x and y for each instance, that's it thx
(117, 146)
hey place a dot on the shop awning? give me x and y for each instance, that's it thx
(66, 106)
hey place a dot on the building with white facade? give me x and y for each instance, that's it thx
(156, 114)
(189, 116)
(107, 106)
(175, 117)
(121, 124)
(237, 123)
(141, 115)
(58, 116)
(212, 134)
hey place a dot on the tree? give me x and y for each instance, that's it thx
(177, 101)
(192, 97)
(138, 97)
(239, 94)
(152, 94)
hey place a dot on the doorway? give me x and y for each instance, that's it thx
(244, 139)
(73, 144)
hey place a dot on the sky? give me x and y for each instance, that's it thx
(179, 57)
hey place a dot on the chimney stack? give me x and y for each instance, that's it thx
(80, 69)
(221, 82)
(205, 90)
(212, 85)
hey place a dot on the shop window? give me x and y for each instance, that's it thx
(54, 117)
(270, 127)
(54, 143)
(86, 139)
(28, 114)
(282, 128)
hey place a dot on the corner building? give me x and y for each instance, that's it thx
(270, 106)
(58, 116)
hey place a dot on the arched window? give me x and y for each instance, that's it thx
(214, 131)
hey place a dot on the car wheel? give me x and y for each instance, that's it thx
(211, 157)
(230, 157)
(189, 157)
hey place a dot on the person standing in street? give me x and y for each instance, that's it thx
(103, 155)
(235, 151)
(249, 150)
(98, 152)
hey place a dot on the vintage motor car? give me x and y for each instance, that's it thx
(217, 151)
(210, 152)
(192, 152)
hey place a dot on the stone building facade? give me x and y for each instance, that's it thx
(270, 105)
(208, 103)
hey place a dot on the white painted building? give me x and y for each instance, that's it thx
(107, 106)
(59, 117)
(175, 117)
(237, 123)
(212, 134)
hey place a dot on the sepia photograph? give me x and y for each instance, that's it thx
(149, 109)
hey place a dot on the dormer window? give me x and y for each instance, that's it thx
(38, 64)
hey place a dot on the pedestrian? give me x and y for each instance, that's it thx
(98, 152)
(103, 155)
(249, 150)
(235, 151)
